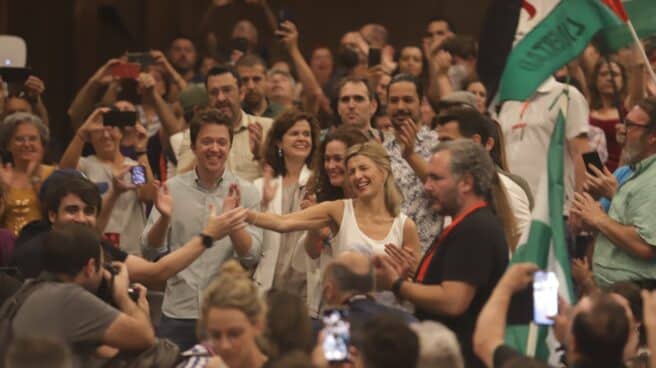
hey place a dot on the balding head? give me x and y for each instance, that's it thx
(350, 273)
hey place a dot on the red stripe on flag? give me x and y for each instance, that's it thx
(530, 9)
(617, 7)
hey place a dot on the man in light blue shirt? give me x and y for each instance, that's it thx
(192, 197)
(625, 248)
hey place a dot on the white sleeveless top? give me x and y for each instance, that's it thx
(350, 237)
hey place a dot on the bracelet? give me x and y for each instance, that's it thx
(396, 287)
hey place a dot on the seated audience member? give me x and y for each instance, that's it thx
(595, 331)
(403, 107)
(37, 352)
(128, 216)
(74, 264)
(288, 327)
(625, 246)
(25, 138)
(69, 198)
(232, 318)
(438, 346)
(381, 342)
(195, 195)
(349, 281)
(450, 285)
(289, 152)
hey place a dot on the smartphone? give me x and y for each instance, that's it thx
(545, 297)
(593, 158)
(15, 74)
(337, 335)
(138, 175)
(239, 44)
(285, 15)
(144, 59)
(126, 70)
(374, 57)
(120, 118)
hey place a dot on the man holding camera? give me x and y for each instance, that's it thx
(73, 261)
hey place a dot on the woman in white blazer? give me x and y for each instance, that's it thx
(288, 154)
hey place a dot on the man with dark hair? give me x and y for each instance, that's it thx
(252, 71)
(438, 29)
(197, 195)
(223, 85)
(625, 247)
(182, 55)
(404, 95)
(459, 271)
(73, 260)
(595, 332)
(349, 281)
(67, 197)
(356, 105)
(384, 342)
(464, 122)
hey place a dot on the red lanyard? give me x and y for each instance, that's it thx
(426, 261)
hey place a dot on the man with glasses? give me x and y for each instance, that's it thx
(625, 247)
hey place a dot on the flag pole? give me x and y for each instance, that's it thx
(642, 51)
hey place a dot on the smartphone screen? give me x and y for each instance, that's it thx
(142, 58)
(545, 297)
(593, 158)
(120, 118)
(138, 174)
(374, 57)
(337, 335)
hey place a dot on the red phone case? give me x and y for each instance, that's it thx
(126, 70)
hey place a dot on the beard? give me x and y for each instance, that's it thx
(448, 203)
(252, 99)
(632, 153)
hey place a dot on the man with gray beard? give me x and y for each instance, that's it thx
(625, 247)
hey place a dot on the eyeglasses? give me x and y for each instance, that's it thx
(629, 124)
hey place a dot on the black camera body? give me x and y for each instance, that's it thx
(106, 288)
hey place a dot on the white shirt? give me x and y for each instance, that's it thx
(527, 127)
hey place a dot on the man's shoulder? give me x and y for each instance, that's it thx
(364, 309)
(264, 121)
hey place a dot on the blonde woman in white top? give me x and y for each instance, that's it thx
(365, 223)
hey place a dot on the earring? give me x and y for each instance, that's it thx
(279, 152)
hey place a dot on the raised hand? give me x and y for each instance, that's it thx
(93, 123)
(233, 199)
(602, 183)
(255, 133)
(164, 199)
(408, 136)
(386, 271)
(269, 187)
(6, 175)
(405, 259)
(219, 226)
(587, 209)
(103, 75)
(441, 61)
(34, 86)
(119, 183)
(288, 34)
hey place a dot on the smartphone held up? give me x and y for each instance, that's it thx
(545, 297)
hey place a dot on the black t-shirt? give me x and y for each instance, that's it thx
(475, 252)
(28, 252)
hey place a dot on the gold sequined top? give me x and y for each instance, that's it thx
(22, 204)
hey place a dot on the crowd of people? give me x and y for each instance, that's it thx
(216, 208)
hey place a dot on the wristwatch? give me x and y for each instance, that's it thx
(396, 287)
(207, 240)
